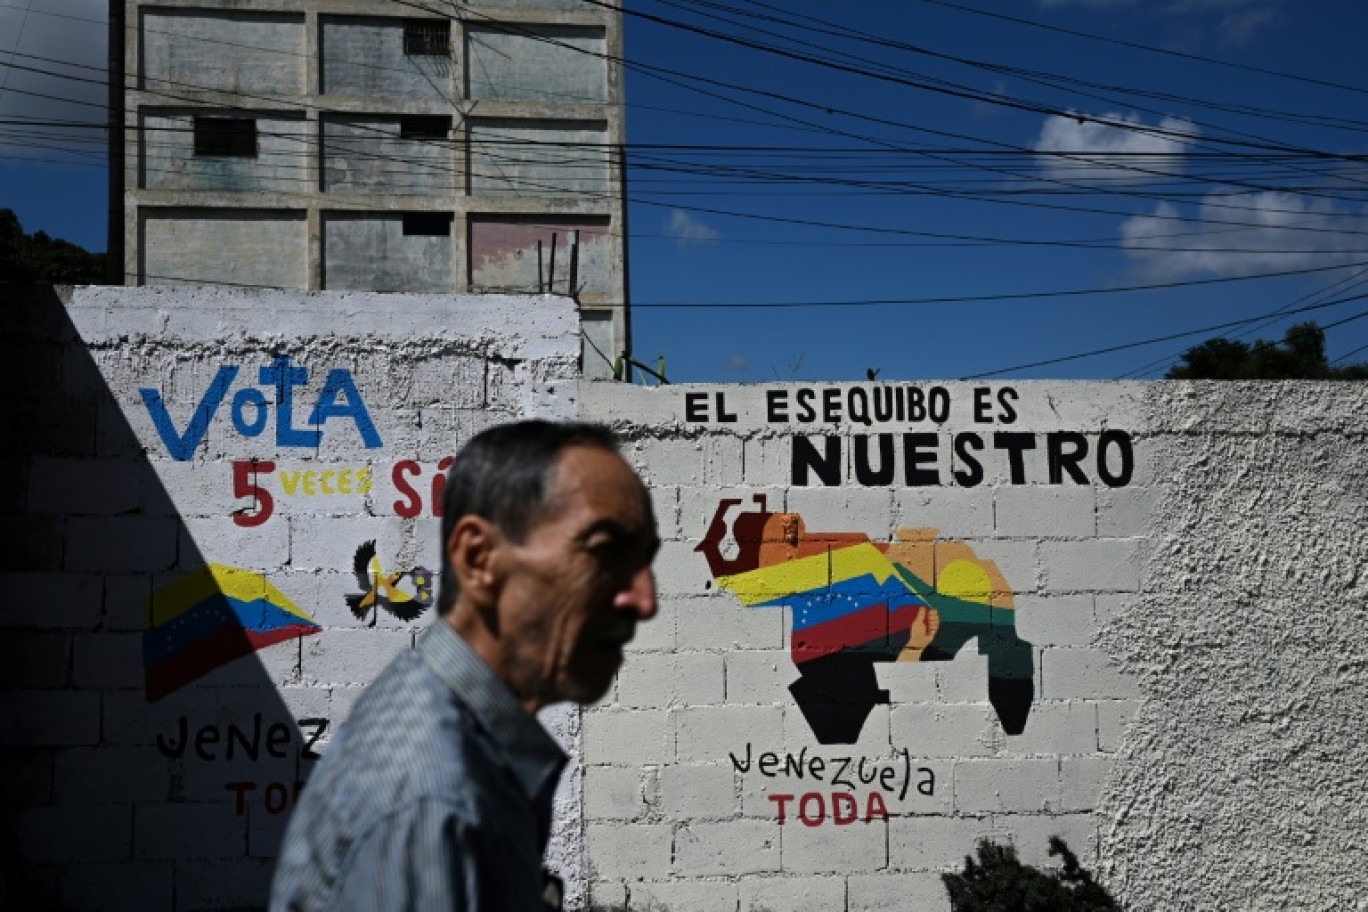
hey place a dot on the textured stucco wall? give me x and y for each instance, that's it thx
(1195, 629)
(1239, 783)
(1195, 605)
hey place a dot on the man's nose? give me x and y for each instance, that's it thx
(639, 595)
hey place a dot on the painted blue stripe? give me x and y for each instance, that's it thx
(817, 606)
(213, 614)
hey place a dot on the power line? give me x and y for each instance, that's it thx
(755, 174)
(1167, 338)
(952, 193)
(1106, 164)
(1148, 48)
(1012, 296)
(937, 86)
(1337, 287)
(1347, 355)
(792, 19)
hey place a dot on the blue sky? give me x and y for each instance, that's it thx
(924, 151)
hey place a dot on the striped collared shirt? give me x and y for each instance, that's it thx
(435, 795)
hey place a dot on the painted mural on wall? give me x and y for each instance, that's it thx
(219, 614)
(381, 590)
(211, 617)
(865, 440)
(251, 411)
(856, 602)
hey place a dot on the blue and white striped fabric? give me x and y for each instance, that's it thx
(435, 795)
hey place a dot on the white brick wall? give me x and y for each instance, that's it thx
(1070, 555)
(631, 851)
(877, 892)
(628, 737)
(1135, 601)
(726, 848)
(792, 894)
(697, 792)
(128, 802)
(684, 895)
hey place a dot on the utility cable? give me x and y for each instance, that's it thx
(1013, 296)
(1149, 48)
(1167, 338)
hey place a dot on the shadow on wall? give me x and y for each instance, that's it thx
(148, 757)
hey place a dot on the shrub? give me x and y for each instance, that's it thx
(999, 882)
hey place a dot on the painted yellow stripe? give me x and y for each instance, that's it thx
(278, 598)
(174, 599)
(807, 573)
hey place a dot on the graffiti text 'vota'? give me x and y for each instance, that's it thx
(250, 408)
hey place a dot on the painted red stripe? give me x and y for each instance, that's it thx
(855, 629)
(227, 644)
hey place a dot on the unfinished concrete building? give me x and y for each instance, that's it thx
(376, 145)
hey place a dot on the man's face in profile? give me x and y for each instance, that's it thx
(579, 582)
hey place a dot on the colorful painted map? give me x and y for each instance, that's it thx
(856, 602)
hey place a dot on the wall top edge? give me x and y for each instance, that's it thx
(208, 313)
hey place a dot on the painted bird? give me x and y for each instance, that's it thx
(381, 590)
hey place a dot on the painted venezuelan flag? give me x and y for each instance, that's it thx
(848, 599)
(212, 617)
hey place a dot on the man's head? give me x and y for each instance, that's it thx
(548, 538)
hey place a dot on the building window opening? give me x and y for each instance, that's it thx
(427, 38)
(427, 224)
(234, 137)
(424, 127)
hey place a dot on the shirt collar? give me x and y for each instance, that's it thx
(529, 751)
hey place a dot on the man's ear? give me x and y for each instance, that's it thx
(473, 550)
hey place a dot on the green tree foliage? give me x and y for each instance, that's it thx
(37, 259)
(1300, 356)
(998, 882)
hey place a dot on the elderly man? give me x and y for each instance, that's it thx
(436, 794)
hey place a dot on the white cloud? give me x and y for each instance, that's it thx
(1276, 241)
(687, 230)
(1083, 149)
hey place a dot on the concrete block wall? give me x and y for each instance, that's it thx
(560, 158)
(329, 85)
(236, 247)
(155, 772)
(557, 64)
(176, 50)
(371, 251)
(1149, 544)
(169, 163)
(364, 56)
(364, 153)
(1137, 624)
